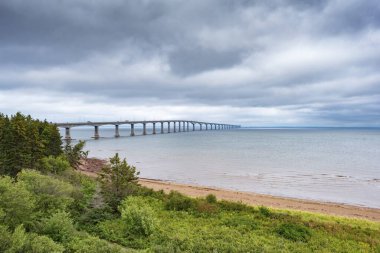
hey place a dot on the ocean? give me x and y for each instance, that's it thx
(324, 164)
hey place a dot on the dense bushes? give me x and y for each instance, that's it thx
(178, 202)
(51, 194)
(56, 165)
(138, 215)
(59, 227)
(17, 204)
(20, 241)
(294, 232)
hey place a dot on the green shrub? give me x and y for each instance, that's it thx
(54, 164)
(16, 203)
(17, 240)
(294, 232)
(211, 198)
(59, 227)
(93, 216)
(84, 190)
(5, 238)
(94, 245)
(20, 241)
(145, 191)
(265, 211)
(43, 244)
(52, 194)
(242, 222)
(178, 202)
(234, 206)
(205, 207)
(138, 215)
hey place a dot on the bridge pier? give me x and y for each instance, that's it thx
(154, 128)
(144, 128)
(179, 126)
(174, 127)
(117, 131)
(162, 127)
(168, 127)
(96, 133)
(200, 127)
(67, 133)
(132, 129)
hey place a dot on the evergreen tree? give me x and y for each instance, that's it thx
(118, 180)
(25, 141)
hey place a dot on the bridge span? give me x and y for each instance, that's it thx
(183, 126)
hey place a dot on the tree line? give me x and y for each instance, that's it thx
(24, 142)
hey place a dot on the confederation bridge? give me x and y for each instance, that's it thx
(171, 126)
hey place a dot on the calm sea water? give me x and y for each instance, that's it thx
(337, 165)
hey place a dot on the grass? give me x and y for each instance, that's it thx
(206, 225)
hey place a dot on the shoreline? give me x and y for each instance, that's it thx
(92, 166)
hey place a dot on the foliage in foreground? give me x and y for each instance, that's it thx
(157, 222)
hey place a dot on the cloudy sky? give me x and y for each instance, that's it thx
(259, 63)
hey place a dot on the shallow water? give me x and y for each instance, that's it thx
(337, 165)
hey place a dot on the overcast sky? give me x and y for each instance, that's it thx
(258, 63)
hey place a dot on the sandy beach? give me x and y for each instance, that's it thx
(92, 166)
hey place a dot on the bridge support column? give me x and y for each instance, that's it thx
(179, 126)
(144, 128)
(206, 127)
(67, 133)
(162, 127)
(132, 129)
(174, 128)
(168, 127)
(183, 126)
(200, 127)
(117, 131)
(154, 128)
(96, 133)
(187, 126)
(193, 126)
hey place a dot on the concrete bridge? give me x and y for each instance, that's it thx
(171, 125)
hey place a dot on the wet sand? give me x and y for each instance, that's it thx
(93, 165)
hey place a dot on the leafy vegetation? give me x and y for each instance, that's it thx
(47, 206)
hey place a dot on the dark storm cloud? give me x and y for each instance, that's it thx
(306, 61)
